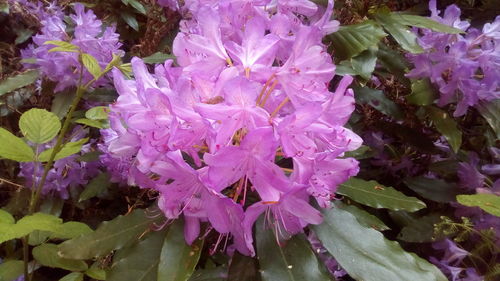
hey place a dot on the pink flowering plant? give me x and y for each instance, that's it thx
(248, 140)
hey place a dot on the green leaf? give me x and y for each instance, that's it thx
(10, 270)
(158, 57)
(433, 189)
(70, 230)
(90, 156)
(177, 259)
(366, 255)
(375, 195)
(46, 254)
(363, 217)
(14, 148)
(446, 126)
(97, 113)
(62, 44)
(61, 103)
(377, 100)
(489, 111)
(28, 224)
(401, 33)
(130, 20)
(39, 125)
(295, 261)
(6, 217)
(420, 230)
(73, 276)
(95, 272)
(23, 34)
(490, 203)
(364, 63)
(109, 236)
(422, 92)
(62, 49)
(95, 187)
(423, 22)
(138, 262)
(351, 40)
(18, 81)
(116, 61)
(91, 65)
(394, 63)
(138, 6)
(243, 268)
(210, 274)
(91, 123)
(67, 149)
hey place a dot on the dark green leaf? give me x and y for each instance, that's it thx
(375, 195)
(490, 111)
(366, 255)
(92, 65)
(62, 103)
(90, 156)
(134, 3)
(433, 189)
(138, 262)
(10, 270)
(46, 254)
(130, 20)
(70, 230)
(96, 186)
(445, 167)
(23, 34)
(393, 62)
(377, 100)
(423, 22)
(39, 125)
(295, 261)
(211, 274)
(446, 126)
(95, 272)
(362, 152)
(67, 149)
(422, 92)
(158, 57)
(243, 268)
(363, 217)
(178, 260)
(364, 63)
(421, 230)
(351, 40)
(18, 81)
(73, 276)
(401, 33)
(490, 203)
(109, 236)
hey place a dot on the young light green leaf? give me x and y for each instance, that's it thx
(366, 255)
(446, 126)
(490, 203)
(375, 195)
(423, 22)
(28, 224)
(6, 217)
(294, 261)
(351, 40)
(97, 113)
(73, 276)
(10, 270)
(67, 149)
(422, 92)
(14, 148)
(95, 187)
(116, 61)
(140, 261)
(62, 49)
(109, 236)
(18, 81)
(177, 259)
(46, 254)
(39, 125)
(91, 65)
(91, 123)
(63, 44)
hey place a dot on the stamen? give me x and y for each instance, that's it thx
(268, 94)
(264, 88)
(285, 101)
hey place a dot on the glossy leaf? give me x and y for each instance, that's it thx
(366, 255)
(70, 230)
(130, 20)
(364, 63)
(375, 195)
(210, 274)
(67, 149)
(95, 272)
(422, 92)
(401, 33)
(14, 148)
(178, 260)
(39, 125)
(393, 62)
(10, 270)
(421, 230)
(243, 268)
(109, 236)
(490, 203)
(61, 103)
(137, 5)
(95, 187)
(46, 254)
(363, 217)
(377, 100)
(433, 189)
(446, 126)
(351, 40)
(489, 111)
(92, 65)
(18, 81)
(423, 22)
(73, 276)
(138, 262)
(293, 261)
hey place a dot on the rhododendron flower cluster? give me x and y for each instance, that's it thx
(246, 123)
(465, 66)
(89, 35)
(67, 172)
